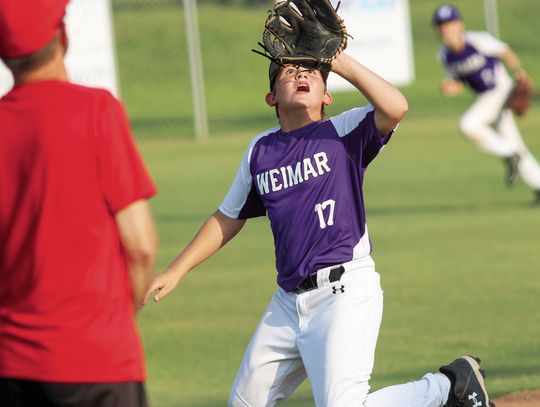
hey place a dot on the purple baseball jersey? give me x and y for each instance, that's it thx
(476, 64)
(309, 182)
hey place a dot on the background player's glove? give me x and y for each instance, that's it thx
(520, 97)
(304, 32)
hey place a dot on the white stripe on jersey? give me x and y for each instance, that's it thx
(237, 195)
(347, 121)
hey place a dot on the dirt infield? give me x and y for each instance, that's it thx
(521, 399)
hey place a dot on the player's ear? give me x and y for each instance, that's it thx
(327, 99)
(271, 99)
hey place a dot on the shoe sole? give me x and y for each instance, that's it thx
(476, 369)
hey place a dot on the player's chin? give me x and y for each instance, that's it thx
(305, 98)
(299, 105)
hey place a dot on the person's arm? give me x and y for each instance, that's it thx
(213, 235)
(512, 62)
(389, 103)
(139, 240)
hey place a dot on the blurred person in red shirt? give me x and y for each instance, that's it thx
(77, 238)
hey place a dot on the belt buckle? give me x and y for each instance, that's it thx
(309, 283)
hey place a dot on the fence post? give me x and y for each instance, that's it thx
(195, 67)
(492, 17)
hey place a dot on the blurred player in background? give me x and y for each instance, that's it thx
(323, 322)
(478, 60)
(77, 239)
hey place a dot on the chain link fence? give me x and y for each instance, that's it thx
(154, 73)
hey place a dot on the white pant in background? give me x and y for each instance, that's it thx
(329, 335)
(492, 128)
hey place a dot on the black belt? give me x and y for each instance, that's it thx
(310, 282)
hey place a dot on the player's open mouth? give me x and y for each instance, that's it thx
(302, 88)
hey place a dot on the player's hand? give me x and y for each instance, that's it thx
(521, 75)
(451, 87)
(163, 283)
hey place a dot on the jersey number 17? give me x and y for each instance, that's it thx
(320, 208)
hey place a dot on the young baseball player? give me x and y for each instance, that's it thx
(77, 239)
(306, 175)
(478, 60)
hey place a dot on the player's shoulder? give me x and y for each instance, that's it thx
(262, 136)
(481, 39)
(442, 53)
(99, 95)
(85, 90)
(477, 34)
(345, 122)
(259, 138)
(356, 113)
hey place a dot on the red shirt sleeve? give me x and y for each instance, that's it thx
(122, 173)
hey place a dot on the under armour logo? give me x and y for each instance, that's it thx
(476, 402)
(335, 289)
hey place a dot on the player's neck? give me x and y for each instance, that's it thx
(293, 120)
(457, 48)
(457, 45)
(54, 69)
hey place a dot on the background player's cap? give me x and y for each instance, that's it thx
(446, 13)
(273, 71)
(26, 26)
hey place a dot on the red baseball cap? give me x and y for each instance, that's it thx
(26, 26)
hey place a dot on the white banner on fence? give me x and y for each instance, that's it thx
(382, 39)
(91, 55)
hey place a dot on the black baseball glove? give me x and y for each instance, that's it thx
(304, 32)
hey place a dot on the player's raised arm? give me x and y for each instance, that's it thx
(513, 63)
(389, 103)
(213, 235)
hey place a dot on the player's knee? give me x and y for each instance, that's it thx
(469, 128)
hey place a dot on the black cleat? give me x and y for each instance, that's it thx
(468, 387)
(512, 164)
(536, 201)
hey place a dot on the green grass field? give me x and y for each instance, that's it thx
(458, 252)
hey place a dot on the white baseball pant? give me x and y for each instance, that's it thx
(492, 128)
(328, 335)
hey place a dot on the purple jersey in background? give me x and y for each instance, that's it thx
(309, 181)
(478, 64)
